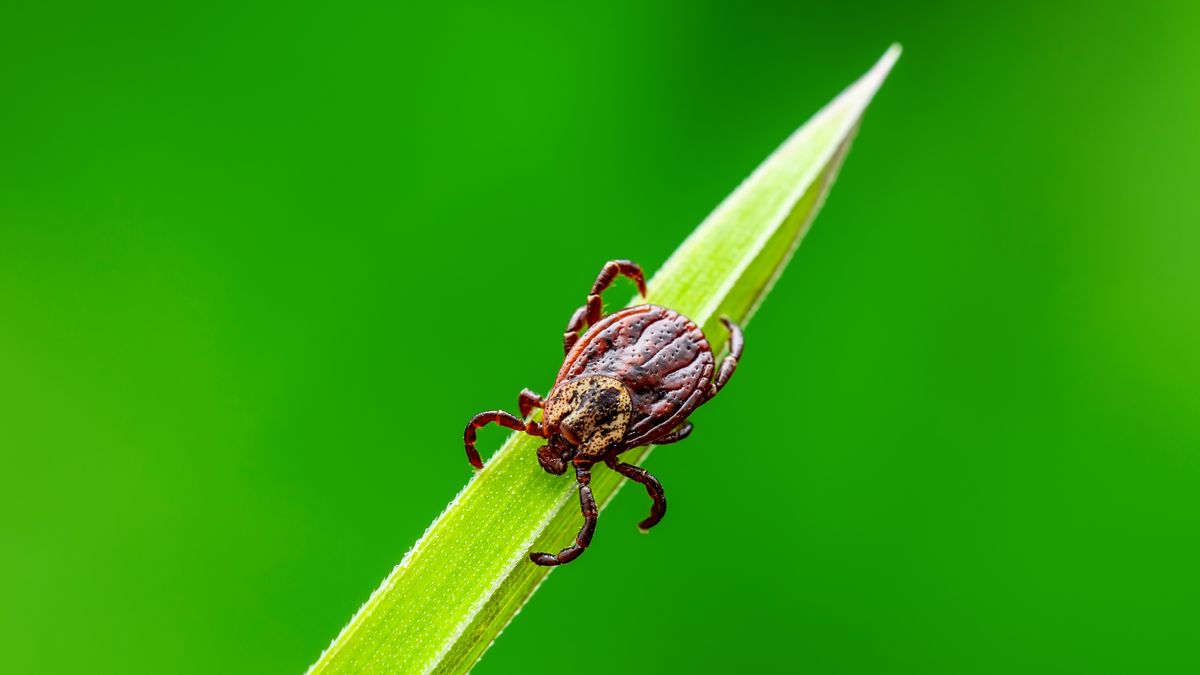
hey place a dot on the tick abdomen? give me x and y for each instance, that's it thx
(661, 357)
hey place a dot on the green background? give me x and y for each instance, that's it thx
(260, 262)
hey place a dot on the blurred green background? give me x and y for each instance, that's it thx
(260, 262)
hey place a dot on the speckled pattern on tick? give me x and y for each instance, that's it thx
(631, 379)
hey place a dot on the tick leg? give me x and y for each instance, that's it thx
(571, 334)
(527, 401)
(730, 364)
(590, 312)
(587, 504)
(500, 417)
(607, 275)
(653, 488)
(675, 436)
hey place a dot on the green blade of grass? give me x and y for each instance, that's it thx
(468, 575)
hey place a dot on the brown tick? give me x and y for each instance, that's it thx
(631, 379)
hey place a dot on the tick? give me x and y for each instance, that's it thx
(631, 379)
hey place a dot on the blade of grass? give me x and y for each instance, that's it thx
(468, 575)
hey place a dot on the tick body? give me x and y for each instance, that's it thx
(631, 379)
